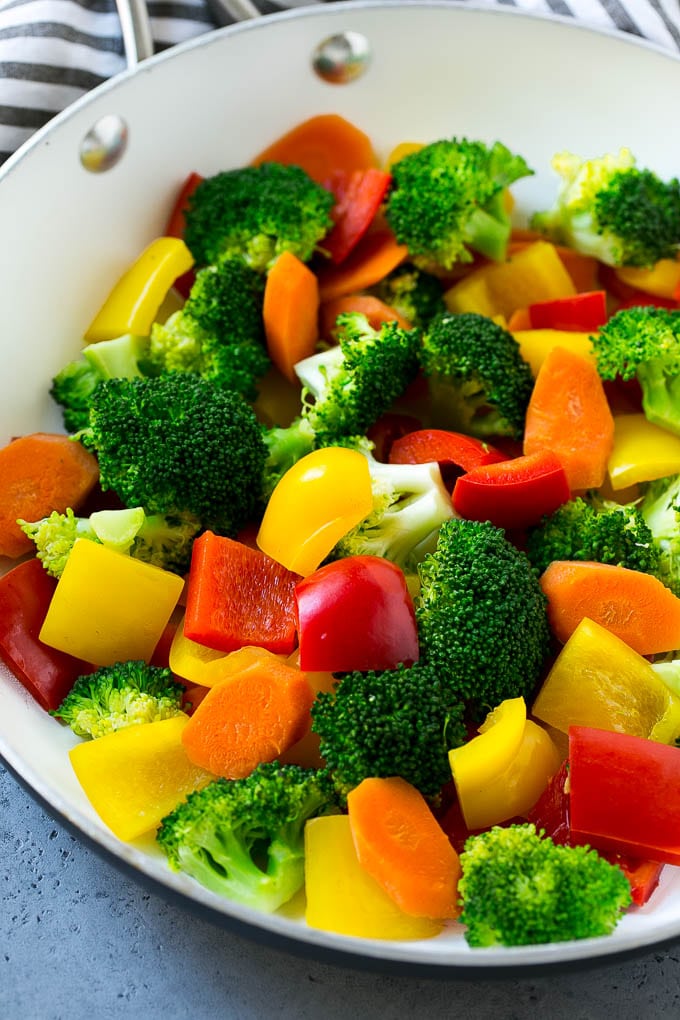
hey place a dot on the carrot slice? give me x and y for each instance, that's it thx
(290, 313)
(568, 413)
(375, 310)
(376, 255)
(249, 718)
(634, 606)
(321, 145)
(402, 846)
(40, 472)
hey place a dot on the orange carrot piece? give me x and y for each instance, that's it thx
(376, 255)
(634, 606)
(248, 718)
(569, 414)
(519, 320)
(401, 845)
(290, 313)
(321, 145)
(40, 472)
(375, 310)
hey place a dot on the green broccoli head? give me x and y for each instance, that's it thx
(54, 537)
(660, 510)
(244, 838)
(410, 503)
(164, 541)
(256, 213)
(609, 208)
(481, 615)
(446, 201)
(477, 379)
(400, 722)
(219, 332)
(415, 294)
(645, 342)
(594, 529)
(347, 387)
(120, 695)
(518, 888)
(72, 387)
(179, 445)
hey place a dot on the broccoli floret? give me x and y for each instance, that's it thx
(164, 541)
(518, 888)
(660, 509)
(645, 343)
(481, 615)
(219, 332)
(446, 201)
(345, 389)
(594, 529)
(73, 386)
(410, 503)
(123, 694)
(179, 445)
(244, 838)
(415, 294)
(609, 208)
(477, 379)
(399, 722)
(257, 212)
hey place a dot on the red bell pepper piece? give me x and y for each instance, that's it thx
(624, 794)
(176, 224)
(583, 312)
(239, 596)
(551, 811)
(513, 493)
(551, 814)
(388, 428)
(449, 449)
(355, 614)
(25, 594)
(358, 195)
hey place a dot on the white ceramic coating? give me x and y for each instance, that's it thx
(437, 70)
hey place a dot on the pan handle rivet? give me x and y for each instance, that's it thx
(342, 58)
(104, 144)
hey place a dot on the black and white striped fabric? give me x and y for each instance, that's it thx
(53, 51)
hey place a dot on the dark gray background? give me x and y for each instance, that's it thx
(79, 939)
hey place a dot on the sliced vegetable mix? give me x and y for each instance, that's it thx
(357, 568)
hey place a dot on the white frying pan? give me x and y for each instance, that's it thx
(430, 70)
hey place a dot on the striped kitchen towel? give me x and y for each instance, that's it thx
(53, 51)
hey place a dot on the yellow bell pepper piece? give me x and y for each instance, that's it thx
(484, 757)
(598, 680)
(401, 150)
(480, 762)
(137, 775)
(642, 452)
(191, 660)
(133, 304)
(316, 502)
(662, 280)
(534, 273)
(108, 607)
(343, 898)
(536, 344)
(514, 791)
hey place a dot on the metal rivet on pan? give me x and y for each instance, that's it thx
(104, 144)
(342, 58)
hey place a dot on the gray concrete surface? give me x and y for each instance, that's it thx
(80, 940)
